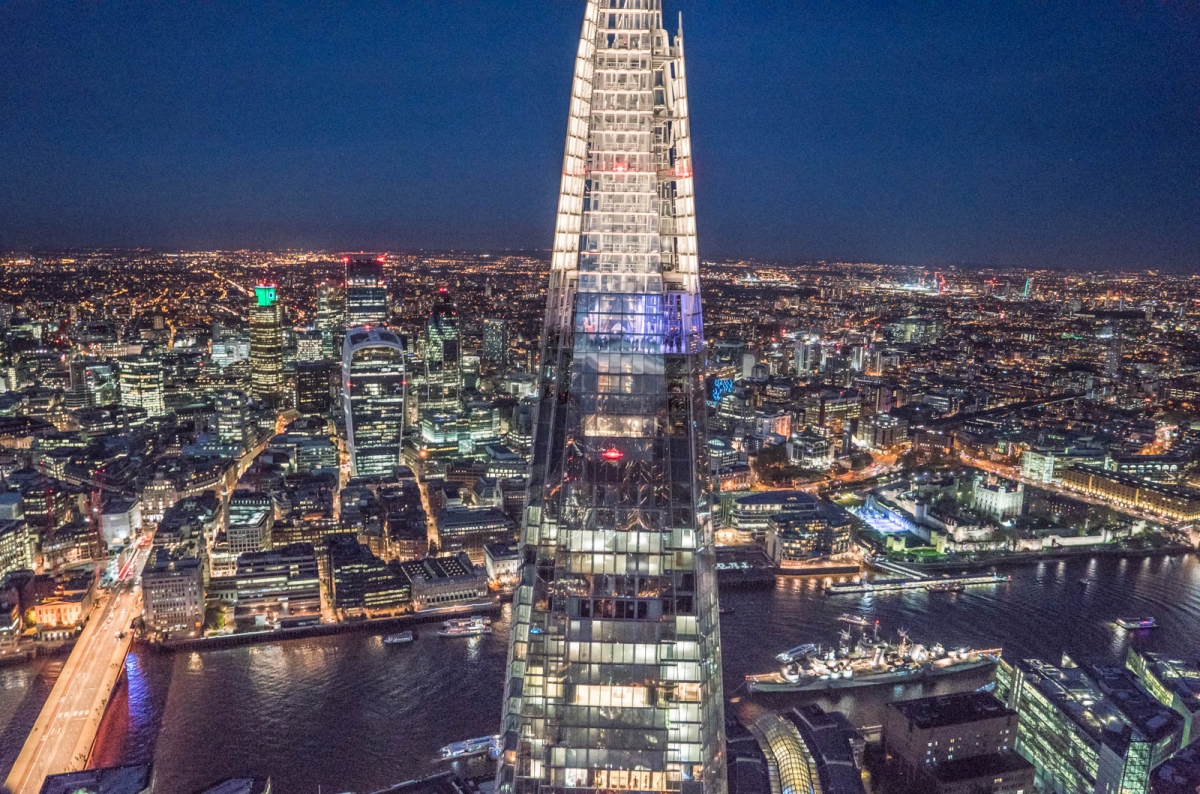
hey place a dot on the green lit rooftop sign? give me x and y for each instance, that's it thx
(265, 294)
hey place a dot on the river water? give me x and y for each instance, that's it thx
(348, 713)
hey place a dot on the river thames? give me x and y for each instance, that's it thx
(347, 713)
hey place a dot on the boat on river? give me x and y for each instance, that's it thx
(469, 747)
(465, 627)
(868, 662)
(403, 638)
(1136, 624)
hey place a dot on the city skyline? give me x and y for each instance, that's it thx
(901, 135)
(612, 510)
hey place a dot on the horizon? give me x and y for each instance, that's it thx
(325, 256)
(1021, 136)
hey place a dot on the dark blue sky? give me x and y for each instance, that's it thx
(999, 133)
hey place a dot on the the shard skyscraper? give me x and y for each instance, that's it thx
(614, 671)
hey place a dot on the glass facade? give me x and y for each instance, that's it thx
(331, 318)
(366, 293)
(1087, 731)
(142, 384)
(614, 673)
(495, 342)
(442, 386)
(266, 345)
(373, 392)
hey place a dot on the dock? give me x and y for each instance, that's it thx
(914, 583)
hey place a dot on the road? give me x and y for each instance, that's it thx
(62, 736)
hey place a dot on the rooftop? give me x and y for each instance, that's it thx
(1112, 707)
(506, 550)
(240, 785)
(434, 568)
(979, 766)
(1177, 675)
(786, 500)
(955, 709)
(131, 779)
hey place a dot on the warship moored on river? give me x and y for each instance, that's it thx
(868, 662)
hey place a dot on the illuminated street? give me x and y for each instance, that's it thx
(61, 739)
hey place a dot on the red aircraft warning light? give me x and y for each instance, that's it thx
(612, 454)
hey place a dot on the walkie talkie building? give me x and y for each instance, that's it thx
(614, 671)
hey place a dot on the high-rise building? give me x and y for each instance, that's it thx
(807, 356)
(142, 384)
(266, 345)
(308, 345)
(442, 389)
(495, 342)
(331, 318)
(1113, 355)
(314, 381)
(373, 391)
(366, 293)
(614, 672)
(92, 384)
(235, 426)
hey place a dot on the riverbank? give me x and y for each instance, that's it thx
(1026, 558)
(254, 709)
(375, 625)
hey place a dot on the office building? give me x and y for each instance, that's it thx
(442, 388)
(502, 561)
(308, 346)
(173, 589)
(961, 742)
(331, 318)
(142, 384)
(266, 345)
(495, 342)
(92, 384)
(1086, 730)
(249, 519)
(361, 584)
(469, 529)
(618, 502)
(120, 519)
(881, 431)
(373, 398)
(315, 384)
(235, 426)
(1172, 681)
(820, 530)
(366, 293)
(18, 545)
(280, 587)
(437, 582)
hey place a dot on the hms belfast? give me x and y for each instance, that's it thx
(614, 668)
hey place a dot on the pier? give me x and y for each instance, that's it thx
(910, 583)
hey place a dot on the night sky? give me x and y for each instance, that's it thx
(1059, 134)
